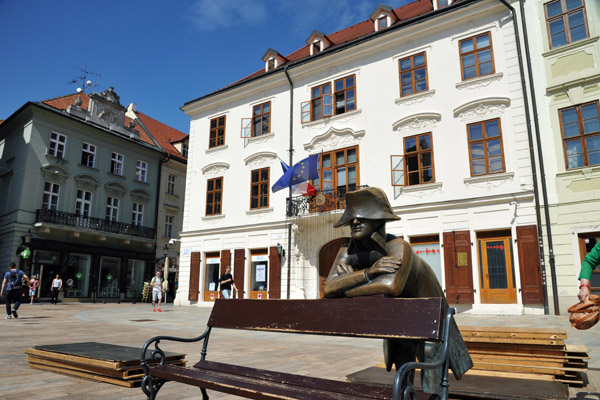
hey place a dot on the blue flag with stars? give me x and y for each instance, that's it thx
(302, 171)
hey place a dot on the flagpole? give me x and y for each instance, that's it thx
(289, 203)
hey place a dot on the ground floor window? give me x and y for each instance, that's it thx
(77, 275)
(211, 283)
(260, 273)
(135, 278)
(428, 248)
(108, 278)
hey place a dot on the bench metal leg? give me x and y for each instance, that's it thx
(204, 394)
(151, 386)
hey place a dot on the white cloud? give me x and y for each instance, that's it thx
(211, 15)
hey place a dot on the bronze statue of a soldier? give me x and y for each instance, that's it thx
(375, 263)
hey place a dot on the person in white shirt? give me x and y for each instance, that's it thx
(156, 284)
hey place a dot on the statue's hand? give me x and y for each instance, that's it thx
(385, 265)
(343, 268)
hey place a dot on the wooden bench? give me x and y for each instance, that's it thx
(367, 317)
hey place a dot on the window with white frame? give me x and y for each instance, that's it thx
(57, 145)
(88, 155)
(171, 184)
(184, 149)
(137, 216)
(116, 164)
(141, 170)
(83, 203)
(112, 209)
(50, 198)
(169, 226)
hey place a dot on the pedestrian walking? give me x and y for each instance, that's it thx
(12, 282)
(156, 284)
(56, 287)
(33, 285)
(226, 281)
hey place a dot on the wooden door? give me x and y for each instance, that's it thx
(239, 261)
(532, 289)
(194, 277)
(587, 241)
(496, 270)
(274, 274)
(458, 267)
(327, 256)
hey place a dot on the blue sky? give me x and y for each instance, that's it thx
(157, 54)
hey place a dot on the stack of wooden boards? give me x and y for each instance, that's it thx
(119, 365)
(525, 353)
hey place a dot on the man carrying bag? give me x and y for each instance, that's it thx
(12, 283)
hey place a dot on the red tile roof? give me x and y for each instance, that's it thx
(163, 134)
(411, 10)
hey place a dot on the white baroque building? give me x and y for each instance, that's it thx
(424, 101)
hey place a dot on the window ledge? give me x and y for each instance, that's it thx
(415, 98)
(173, 195)
(570, 46)
(216, 149)
(332, 118)
(489, 178)
(115, 175)
(213, 217)
(584, 172)
(143, 182)
(258, 138)
(422, 187)
(479, 82)
(59, 160)
(259, 211)
(87, 166)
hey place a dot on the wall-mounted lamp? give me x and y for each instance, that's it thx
(27, 237)
(280, 250)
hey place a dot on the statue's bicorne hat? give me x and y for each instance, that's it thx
(368, 203)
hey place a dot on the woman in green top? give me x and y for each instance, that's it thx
(587, 266)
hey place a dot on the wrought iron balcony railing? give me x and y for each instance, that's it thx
(96, 224)
(326, 200)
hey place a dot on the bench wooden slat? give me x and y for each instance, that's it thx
(354, 389)
(377, 317)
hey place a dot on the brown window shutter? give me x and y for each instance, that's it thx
(225, 260)
(239, 260)
(274, 274)
(194, 277)
(459, 276)
(529, 265)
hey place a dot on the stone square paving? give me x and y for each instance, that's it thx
(334, 358)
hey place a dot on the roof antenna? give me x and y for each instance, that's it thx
(83, 80)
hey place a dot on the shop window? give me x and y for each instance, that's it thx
(211, 282)
(76, 278)
(136, 270)
(260, 274)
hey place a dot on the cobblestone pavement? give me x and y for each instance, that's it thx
(334, 358)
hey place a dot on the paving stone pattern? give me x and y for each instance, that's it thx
(132, 324)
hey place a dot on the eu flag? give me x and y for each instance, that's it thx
(302, 171)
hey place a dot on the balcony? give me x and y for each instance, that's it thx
(326, 200)
(89, 223)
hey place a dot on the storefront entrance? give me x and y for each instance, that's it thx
(108, 278)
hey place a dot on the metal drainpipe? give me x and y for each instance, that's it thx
(291, 159)
(533, 168)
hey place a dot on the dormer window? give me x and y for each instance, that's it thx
(441, 3)
(316, 47)
(383, 17)
(273, 59)
(317, 41)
